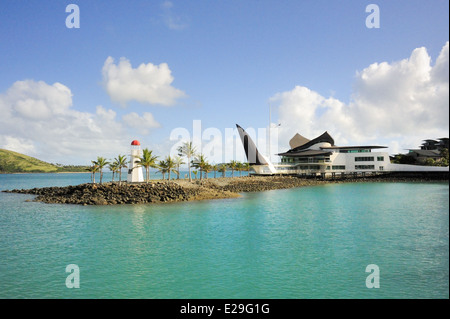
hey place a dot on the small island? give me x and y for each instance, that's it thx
(157, 191)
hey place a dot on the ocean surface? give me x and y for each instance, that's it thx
(312, 242)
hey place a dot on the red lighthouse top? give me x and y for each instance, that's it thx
(135, 142)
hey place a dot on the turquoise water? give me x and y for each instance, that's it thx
(312, 242)
(8, 181)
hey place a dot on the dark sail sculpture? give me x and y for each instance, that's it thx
(253, 156)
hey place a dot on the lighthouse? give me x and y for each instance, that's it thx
(134, 170)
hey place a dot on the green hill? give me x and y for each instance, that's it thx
(12, 162)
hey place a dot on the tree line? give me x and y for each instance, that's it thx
(169, 165)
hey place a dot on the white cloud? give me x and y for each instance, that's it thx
(440, 72)
(171, 19)
(148, 83)
(38, 100)
(298, 108)
(19, 145)
(37, 119)
(142, 124)
(397, 103)
(167, 5)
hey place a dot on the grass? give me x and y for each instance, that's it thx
(13, 162)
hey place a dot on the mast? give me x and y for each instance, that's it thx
(270, 126)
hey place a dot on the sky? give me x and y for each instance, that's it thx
(164, 72)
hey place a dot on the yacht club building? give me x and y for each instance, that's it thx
(320, 156)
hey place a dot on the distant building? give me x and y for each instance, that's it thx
(432, 145)
(422, 155)
(430, 149)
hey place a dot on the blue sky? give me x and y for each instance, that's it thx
(227, 60)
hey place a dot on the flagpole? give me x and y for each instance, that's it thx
(270, 126)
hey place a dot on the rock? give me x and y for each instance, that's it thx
(113, 194)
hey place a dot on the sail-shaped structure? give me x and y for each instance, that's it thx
(259, 163)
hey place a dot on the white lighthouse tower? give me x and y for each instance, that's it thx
(134, 170)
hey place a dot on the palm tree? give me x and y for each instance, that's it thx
(223, 169)
(247, 167)
(239, 168)
(101, 162)
(214, 168)
(113, 168)
(232, 166)
(207, 168)
(200, 163)
(188, 150)
(121, 162)
(147, 160)
(195, 174)
(93, 169)
(170, 166)
(178, 161)
(162, 168)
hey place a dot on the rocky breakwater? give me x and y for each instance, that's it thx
(159, 192)
(108, 194)
(260, 183)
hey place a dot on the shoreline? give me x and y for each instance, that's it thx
(22, 173)
(158, 191)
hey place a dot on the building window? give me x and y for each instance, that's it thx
(364, 159)
(355, 151)
(381, 168)
(308, 167)
(380, 158)
(364, 166)
(338, 167)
